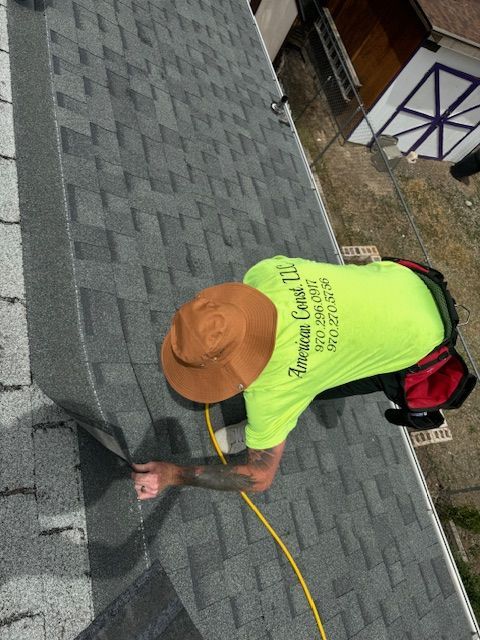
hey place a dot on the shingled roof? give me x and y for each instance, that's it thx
(459, 18)
(150, 166)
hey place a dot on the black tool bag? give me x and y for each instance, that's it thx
(440, 380)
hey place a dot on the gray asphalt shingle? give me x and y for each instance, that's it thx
(177, 175)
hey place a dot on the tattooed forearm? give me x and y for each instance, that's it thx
(261, 458)
(222, 478)
(256, 475)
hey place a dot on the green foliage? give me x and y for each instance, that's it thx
(465, 517)
(471, 582)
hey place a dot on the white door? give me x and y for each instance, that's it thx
(438, 114)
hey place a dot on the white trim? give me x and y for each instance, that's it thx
(455, 36)
(452, 567)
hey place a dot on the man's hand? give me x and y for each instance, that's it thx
(152, 478)
(257, 475)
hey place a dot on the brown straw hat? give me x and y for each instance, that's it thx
(219, 342)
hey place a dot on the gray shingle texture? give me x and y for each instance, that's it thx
(171, 173)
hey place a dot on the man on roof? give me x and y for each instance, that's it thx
(293, 330)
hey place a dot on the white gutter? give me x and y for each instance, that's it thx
(452, 567)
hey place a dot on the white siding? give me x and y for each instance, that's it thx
(275, 19)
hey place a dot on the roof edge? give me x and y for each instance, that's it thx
(422, 15)
(454, 36)
(452, 567)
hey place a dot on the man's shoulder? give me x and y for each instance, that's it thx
(268, 270)
(265, 264)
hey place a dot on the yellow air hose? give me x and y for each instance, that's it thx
(270, 529)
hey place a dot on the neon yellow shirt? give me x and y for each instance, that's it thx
(336, 324)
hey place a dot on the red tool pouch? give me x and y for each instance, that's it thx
(440, 380)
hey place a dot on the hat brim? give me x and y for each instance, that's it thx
(210, 385)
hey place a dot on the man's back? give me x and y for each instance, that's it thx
(336, 323)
